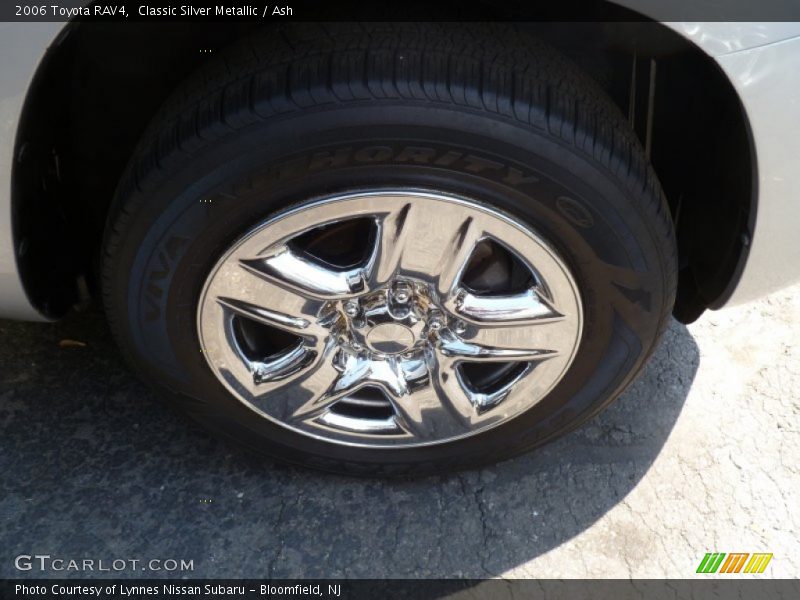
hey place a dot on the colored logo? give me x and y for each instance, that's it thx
(735, 562)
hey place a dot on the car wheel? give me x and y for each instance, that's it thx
(389, 249)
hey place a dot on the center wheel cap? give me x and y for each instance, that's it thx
(390, 338)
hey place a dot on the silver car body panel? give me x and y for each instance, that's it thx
(767, 79)
(22, 46)
(762, 61)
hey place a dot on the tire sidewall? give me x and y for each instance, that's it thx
(184, 216)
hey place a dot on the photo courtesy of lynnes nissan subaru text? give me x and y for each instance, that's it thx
(396, 248)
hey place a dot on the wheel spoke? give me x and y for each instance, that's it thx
(432, 412)
(422, 242)
(485, 401)
(305, 393)
(443, 408)
(523, 326)
(356, 371)
(255, 379)
(530, 306)
(482, 401)
(538, 339)
(283, 365)
(277, 319)
(310, 278)
(391, 239)
(249, 293)
(454, 348)
(455, 256)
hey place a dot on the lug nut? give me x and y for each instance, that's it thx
(460, 327)
(402, 292)
(351, 308)
(435, 321)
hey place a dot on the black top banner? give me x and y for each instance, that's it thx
(402, 10)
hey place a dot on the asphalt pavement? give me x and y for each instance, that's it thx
(699, 455)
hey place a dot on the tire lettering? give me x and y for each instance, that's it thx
(574, 212)
(448, 158)
(154, 288)
(515, 177)
(372, 154)
(416, 154)
(323, 160)
(476, 164)
(420, 155)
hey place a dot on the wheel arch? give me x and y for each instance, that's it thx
(95, 91)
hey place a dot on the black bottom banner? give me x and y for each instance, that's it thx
(466, 589)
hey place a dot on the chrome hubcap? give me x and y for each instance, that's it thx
(390, 319)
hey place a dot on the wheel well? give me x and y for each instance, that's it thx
(100, 84)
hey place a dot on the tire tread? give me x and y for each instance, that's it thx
(496, 69)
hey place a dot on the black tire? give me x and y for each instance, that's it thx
(307, 111)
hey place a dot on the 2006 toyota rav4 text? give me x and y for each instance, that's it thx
(396, 248)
